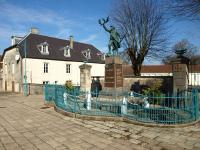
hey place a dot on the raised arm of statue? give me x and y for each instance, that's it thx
(103, 22)
(105, 28)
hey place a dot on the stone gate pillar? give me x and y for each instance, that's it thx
(85, 77)
(180, 73)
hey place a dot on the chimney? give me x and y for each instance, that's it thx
(34, 30)
(71, 41)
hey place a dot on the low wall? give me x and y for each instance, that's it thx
(33, 89)
(167, 82)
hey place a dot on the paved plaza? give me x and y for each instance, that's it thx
(25, 123)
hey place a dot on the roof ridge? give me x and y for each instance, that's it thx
(60, 39)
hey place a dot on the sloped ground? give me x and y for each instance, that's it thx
(26, 123)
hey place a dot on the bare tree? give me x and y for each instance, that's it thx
(186, 8)
(125, 57)
(181, 45)
(141, 23)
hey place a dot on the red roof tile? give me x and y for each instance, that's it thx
(128, 71)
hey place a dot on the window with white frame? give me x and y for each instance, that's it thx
(67, 51)
(87, 53)
(68, 68)
(46, 67)
(13, 68)
(43, 48)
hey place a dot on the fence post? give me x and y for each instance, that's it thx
(55, 100)
(124, 106)
(45, 92)
(88, 101)
(196, 100)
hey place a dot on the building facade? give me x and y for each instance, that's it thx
(39, 59)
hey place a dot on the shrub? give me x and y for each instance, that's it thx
(68, 85)
(154, 91)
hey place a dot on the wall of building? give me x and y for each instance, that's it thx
(194, 79)
(156, 74)
(57, 71)
(11, 71)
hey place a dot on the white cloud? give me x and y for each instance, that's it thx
(17, 20)
(20, 17)
(89, 39)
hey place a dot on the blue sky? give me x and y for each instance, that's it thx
(62, 18)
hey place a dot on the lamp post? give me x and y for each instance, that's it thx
(25, 76)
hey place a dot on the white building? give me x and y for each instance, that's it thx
(44, 59)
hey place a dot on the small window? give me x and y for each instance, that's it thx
(13, 68)
(43, 48)
(101, 56)
(45, 82)
(56, 82)
(46, 69)
(68, 68)
(67, 51)
(87, 53)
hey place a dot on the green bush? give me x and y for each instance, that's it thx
(154, 93)
(68, 85)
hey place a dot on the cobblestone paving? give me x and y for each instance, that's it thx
(26, 124)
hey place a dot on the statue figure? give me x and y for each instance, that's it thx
(114, 42)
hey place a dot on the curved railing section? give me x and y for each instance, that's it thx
(175, 109)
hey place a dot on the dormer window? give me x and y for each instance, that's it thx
(44, 48)
(101, 56)
(87, 53)
(67, 51)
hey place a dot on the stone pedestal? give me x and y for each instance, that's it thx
(113, 73)
(180, 74)
(85, 77)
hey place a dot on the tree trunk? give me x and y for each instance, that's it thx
(136, 69)
(136, 62)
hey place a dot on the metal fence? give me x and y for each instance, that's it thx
(179, 108)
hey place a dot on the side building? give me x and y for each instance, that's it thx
(1, 73)
(40, 59)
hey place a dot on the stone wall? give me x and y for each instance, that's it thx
(167, 82)
(34, 89)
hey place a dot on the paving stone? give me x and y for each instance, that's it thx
(134, 141)
(44, 146)
(12, 146)
(47, 129)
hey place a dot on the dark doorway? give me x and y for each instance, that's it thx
(5, 85)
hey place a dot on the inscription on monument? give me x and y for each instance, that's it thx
(109, 76)
(119, 77)
(113, 75)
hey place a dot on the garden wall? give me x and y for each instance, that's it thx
(148, 81)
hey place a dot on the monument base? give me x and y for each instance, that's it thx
(113, 75)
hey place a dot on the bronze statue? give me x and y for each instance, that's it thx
(114, 42)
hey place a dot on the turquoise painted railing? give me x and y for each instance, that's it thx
(174, 109)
